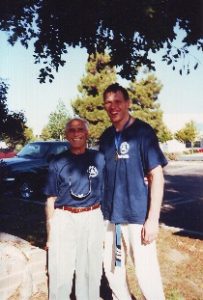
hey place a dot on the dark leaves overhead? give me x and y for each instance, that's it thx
(128, 29)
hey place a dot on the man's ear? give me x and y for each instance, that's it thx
(130, 104)
(87, 133)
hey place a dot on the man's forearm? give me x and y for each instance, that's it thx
(156, 193)
(50, 207)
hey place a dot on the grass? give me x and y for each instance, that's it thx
(181, 261)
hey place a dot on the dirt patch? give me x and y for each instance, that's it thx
(181, 261)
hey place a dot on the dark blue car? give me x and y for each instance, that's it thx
(25, 174)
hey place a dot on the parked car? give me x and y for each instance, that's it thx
(25, 174)
(6, 153)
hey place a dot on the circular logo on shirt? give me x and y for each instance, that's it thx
(92, 170)
(124, 148)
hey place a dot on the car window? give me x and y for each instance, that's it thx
(56, 149)
(34, 150)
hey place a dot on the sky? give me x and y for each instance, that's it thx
(181, 97)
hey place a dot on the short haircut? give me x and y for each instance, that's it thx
(86, 124)
(115, 87)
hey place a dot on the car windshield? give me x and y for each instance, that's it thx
(34, 150)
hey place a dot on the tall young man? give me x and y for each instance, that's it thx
(131, 204)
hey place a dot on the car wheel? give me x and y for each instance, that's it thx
(26, 190)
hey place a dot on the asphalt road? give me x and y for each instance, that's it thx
(182, 206)
(183, 197)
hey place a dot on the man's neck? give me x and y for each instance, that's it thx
(120, 125)
(77, 151)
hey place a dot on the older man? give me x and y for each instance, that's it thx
(74, 218)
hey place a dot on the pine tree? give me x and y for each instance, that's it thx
(145, 105)
(143, 93)
(89, 105)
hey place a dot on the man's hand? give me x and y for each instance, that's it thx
(149, 231)
(48, 234)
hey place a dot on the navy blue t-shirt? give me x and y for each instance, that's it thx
(71, 175)
(126, 193)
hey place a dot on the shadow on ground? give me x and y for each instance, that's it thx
(183, 204)
(23, 219)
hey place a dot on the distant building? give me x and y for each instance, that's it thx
(197, 144)
(173, 146)
(176, 121)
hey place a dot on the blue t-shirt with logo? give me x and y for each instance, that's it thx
(126, 192)
(76, 180)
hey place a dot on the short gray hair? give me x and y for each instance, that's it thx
(85, 122)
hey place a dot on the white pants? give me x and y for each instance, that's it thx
(76, 244)
(143, 257)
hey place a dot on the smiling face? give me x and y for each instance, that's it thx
(77, 135)
(117, 108)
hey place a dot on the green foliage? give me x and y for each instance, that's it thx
(29, 135)
(99, 74)
(12, 124)
(145, 105)
(14, 129)
(19, 143)
(164, 134)
(188, 133)
(3, 99)
(128, 29)
(57, 121)
(144, 95)
(174, 295)
(45, 134)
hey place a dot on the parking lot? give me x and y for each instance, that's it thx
(182, 206)
(183, 198)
